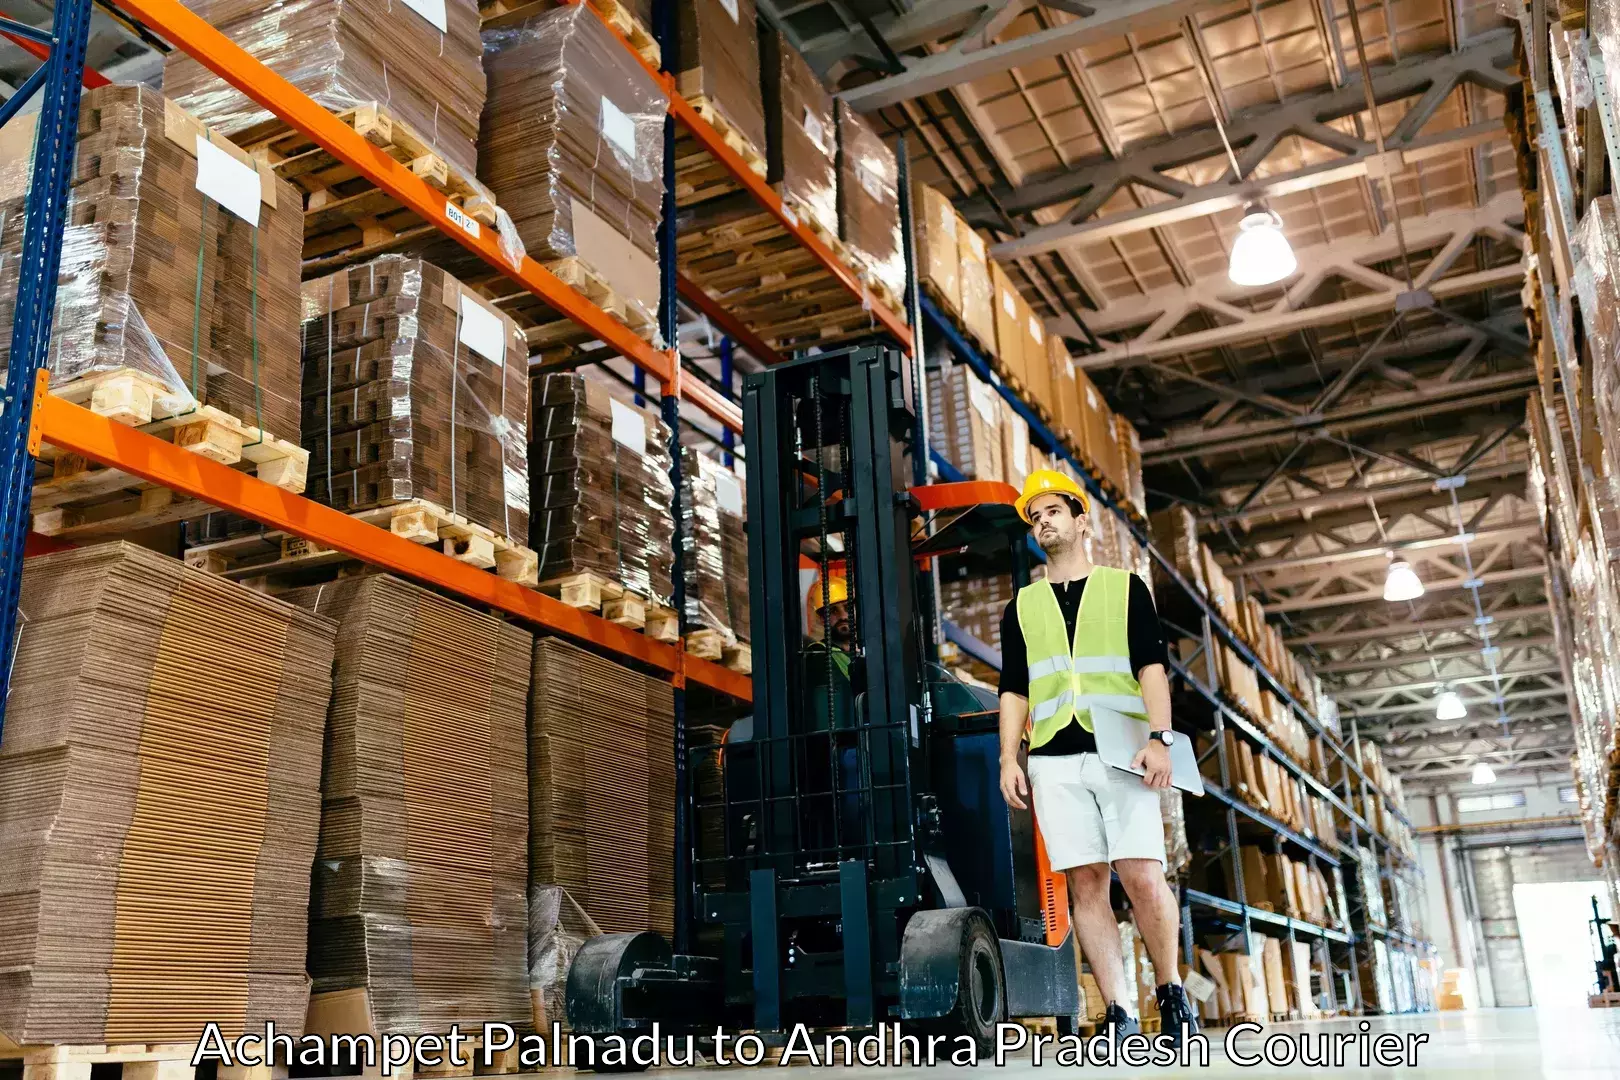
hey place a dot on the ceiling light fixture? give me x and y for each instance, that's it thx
(1402, 582)
(1483, 773)
(1261, 254)
(1449, 706)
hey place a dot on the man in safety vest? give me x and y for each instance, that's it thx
(1090, 635)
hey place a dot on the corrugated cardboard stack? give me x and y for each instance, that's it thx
(608, 846)
(1016, 462)
(869, 201)
(572, 144)
(420, 881)
(965, 418)
(939, 259)
(159, 802)
(716, 556)
(421, 64)
(158, 277)
(976, 605)
(800, 138)
(719, 57)
(600, 494)
(415, 388)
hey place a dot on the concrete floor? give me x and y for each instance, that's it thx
(1507, 1043)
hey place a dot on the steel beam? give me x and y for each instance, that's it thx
(1402, 628)
(1428, 706)
(1396, 733)
(1353, 496)
(1494, 577)
(1521, 531)
(1384, 663)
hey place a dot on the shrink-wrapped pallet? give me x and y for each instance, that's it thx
(420, 890)
(159, 802)
(978, 289)
(158, 277)
(415, 388)
(719, 52)
(1015, 449)
(939, 259)
(966, 420)
(600, 495)
(1064, 402)
(418, 63)
(716, 555)
(869, 201)
(572, 144)
(800, 136)
(1009, 324)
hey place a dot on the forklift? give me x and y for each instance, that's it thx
(861, 866)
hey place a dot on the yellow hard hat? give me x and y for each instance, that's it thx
(1049, 482)
(837, 592)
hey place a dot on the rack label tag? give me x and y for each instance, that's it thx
(459, 217)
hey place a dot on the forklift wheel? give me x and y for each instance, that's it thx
(951, 974)
(980, 1003)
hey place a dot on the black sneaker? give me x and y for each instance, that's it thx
(1124, 1023)
(1175, 1012)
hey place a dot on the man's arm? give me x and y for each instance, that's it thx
(1014, 708)
(1155, 756)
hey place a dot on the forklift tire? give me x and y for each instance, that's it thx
(957, 945)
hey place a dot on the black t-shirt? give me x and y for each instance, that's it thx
(1142, 629)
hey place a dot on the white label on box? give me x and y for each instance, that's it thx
(731, 9)
(728, 493)
(871, 177)
(618, 128)
(459, 216)
(980, 395)
(814, 128)
(1036, 331)
(629, 427)
(1008, 306)
(1021, 451)
(432, 11)
(229, 182)
(482, 330)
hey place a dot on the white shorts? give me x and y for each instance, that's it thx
(1089, 812)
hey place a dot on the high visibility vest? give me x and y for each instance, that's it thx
(1066, 678)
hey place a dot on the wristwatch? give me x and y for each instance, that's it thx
(1165, 737)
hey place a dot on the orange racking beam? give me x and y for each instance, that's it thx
(80, 431)
(91, 78)
(236, 66)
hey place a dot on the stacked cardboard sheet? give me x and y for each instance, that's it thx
(601, 801)
(415, 388)
(716, 532)
(719, 56)
(600, 493)
(965, 418)
(869, 200)
(159, 802)
(158, 277)
(420, 64)
(420, 882)
(802, 142)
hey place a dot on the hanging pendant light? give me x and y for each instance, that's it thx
(1483, 773)
(1402, 582)
(1449, 706)
(1261, 254)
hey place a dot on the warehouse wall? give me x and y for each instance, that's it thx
(1479, 859)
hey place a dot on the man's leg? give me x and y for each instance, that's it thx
(1157, 916)
(1094, 926)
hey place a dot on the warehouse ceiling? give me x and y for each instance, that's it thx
(1315, 426)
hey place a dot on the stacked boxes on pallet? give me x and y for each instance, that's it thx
(716, 557)
(600, 494)
(869, 202)
(158, 277)
(420, 892)
(719, 51)
(606, 849)
(159, 802)
(422, 70)
(415, 388)
(572, 144)
(800, 138)
(965, 419)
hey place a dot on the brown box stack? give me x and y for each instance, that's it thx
(1015, 450)
(869, 200)
(719, 56)
(608, 845)
(346, 54)
(415, 388)
(420, 894)
(965, 421)
(572, 144)
(939, 259)
(158, 277)
(978, 290)
(599, 487)
(159, 802)
(801, 141)
(716, 557)
(1009, 322)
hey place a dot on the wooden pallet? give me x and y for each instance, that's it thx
(719, 646)
(735, 140)
(275, 557)
(947, 307)
(76, 499)
(497, 13)
(136, 1061)
(595, 592)
(348, 1012)
(1609, 1000)
(347, 218)
(552, 337)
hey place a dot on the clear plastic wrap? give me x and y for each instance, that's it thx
(869, 200)
(415, 388)
(1178, 855)
(420, 887)
(801, 141)
(572, 144)
(939, 264)
(716, 556)
(965, 421)
(599, 487)
(161, 279)
(348, 54)
(1015, 466)
(719, 53)
(978, 293)
(558, 927)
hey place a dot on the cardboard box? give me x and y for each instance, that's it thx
(1015, 449)
(1300, 996)
(1276, 985)
(1257, 873)
(977, 286)
(938, 262)
(869, 200)
(1009, 322)
(1037, 365)
(719, 58)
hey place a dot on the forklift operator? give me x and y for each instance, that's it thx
(1091, 634)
